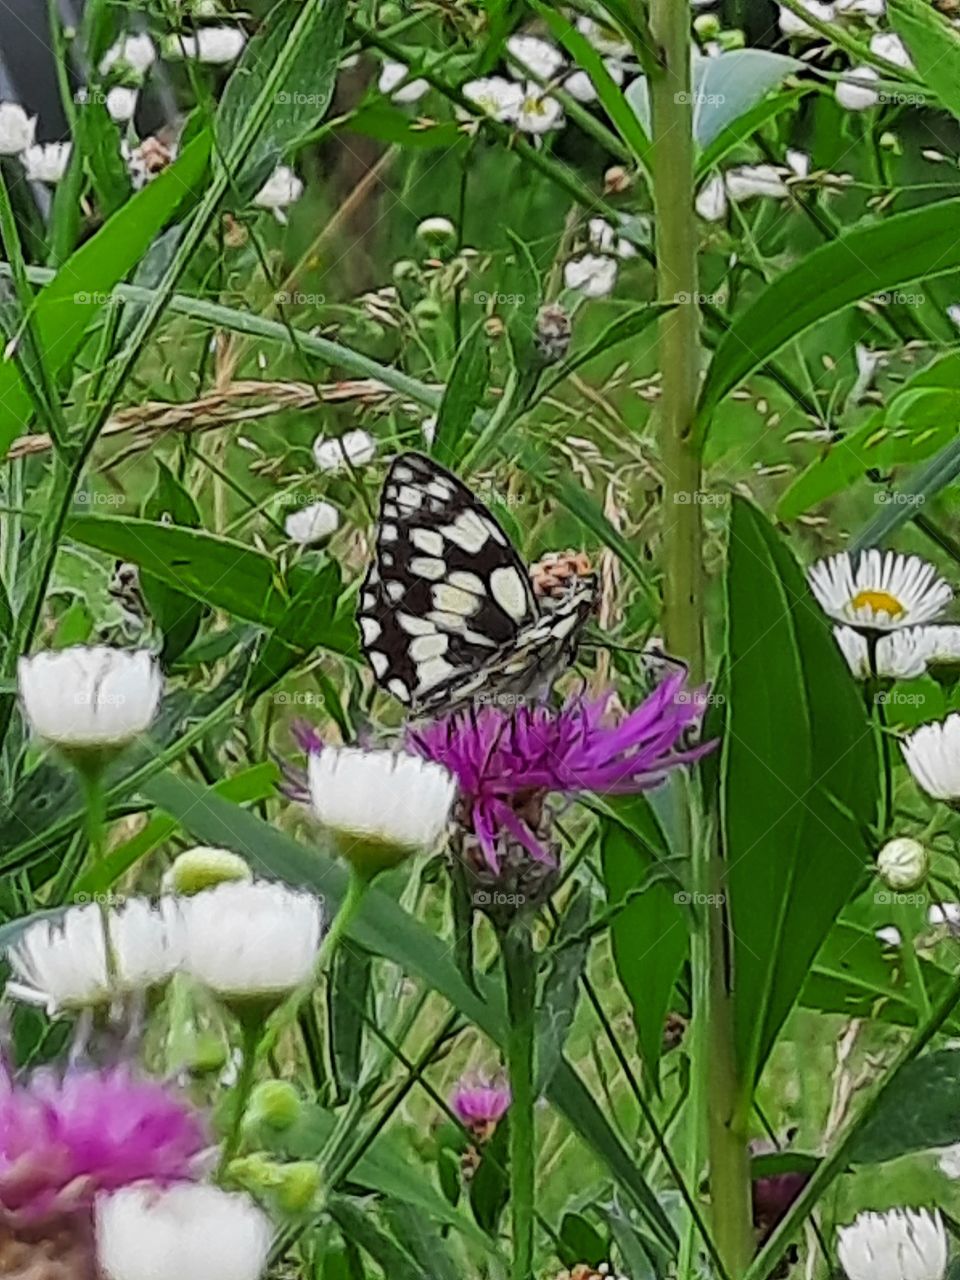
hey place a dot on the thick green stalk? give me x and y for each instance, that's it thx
(251, 1024)
(715, 1084)
(521, 986)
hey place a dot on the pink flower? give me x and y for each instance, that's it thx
(64, 1139)
(479, 1101)
(503, 760)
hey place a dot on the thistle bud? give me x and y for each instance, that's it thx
(553, 333)
(903, 864)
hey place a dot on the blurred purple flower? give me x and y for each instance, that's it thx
(479, 1101)
(65, 1138)
(504, 760)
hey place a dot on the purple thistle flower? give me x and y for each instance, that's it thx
(480, 1101)
(506, 762)
(64, 1139)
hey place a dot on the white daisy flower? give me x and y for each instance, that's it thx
(313, 524)
(900, 655)
(381, 806)
(46, 163)
(944, 913)
(604, 239)
(580, 86)
(903, 864)
(538, 57)
(868, 8)
(592, 275)
(17, 129)
(899, 1245)
(186, 1231)
(949, 1161)
(392, 77)
(711, 201)
(793, 25)
(854, 92)
(213, 45)
(932, 753)
(122, 103)
(354, 448)
(943, 645)
(880, 591)
(89, 697)
(138, 52)
(495, 96)
(538, 112)
(242, 939)
(887, 44)
(606, 40)
(61, 964)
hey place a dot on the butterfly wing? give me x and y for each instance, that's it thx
(446, 595)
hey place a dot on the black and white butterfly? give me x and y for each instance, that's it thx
(448, 611)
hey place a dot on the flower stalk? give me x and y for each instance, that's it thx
(519, 970)
(716, 1086)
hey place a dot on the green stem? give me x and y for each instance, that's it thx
(96, 823)
(715, 1085)
(251, 1023)
(904, 919)
(521, 985)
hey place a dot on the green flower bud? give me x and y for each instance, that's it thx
(903, 864)
(298, 1185)
(202, 868)
(275, 1104)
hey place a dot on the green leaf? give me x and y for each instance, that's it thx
(918, 421)
(799, 782)
(226, 575)
(863, 261)
(735, 135)
(649, 936)
(98, 139)
(612, 98)
(302, 97)
(177, 615)
(910, 498)
(76, 296)
(560, 990)
(384, 928)
(462, 398)
(390, 124)
(347, 996)
(934, 46)
(918, 1109)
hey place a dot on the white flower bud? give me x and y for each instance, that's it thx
(17, 129)
(903, 864)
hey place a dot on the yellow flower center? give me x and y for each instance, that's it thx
(879, 602)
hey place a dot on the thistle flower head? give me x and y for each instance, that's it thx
(480, 1101)
(501, 759)
(65, 1139)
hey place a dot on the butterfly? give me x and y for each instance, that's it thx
(448, 612)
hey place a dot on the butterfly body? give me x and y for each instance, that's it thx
(448, 612)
